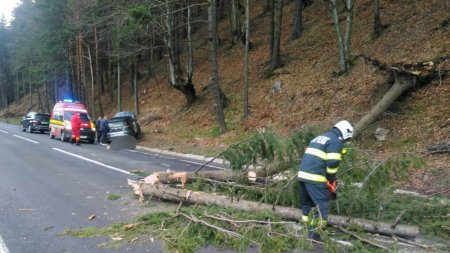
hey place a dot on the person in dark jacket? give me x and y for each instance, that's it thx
(97, 128)
(104, 129)
(75, 121)
(317, 174)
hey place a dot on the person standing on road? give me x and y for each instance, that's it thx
(104, 129)
(97, 128)
(76, 125)
(317, 174)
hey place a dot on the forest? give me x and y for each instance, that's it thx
(251, 81)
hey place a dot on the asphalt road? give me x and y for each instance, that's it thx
(48, 186)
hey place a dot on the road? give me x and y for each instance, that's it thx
(48, 186)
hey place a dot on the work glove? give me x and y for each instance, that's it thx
(332, 186)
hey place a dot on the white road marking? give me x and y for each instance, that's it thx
(92, 161)
(167, 165)
(3, 131)
(3, 248)
(23, 138)
(177, 159)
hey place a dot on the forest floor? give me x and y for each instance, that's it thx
(310, 96)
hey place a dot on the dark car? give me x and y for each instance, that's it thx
(123, 123)
(35, 121)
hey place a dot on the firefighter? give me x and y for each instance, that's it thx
(317, 174)
(76, 125)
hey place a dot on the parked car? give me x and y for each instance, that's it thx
(123, 123)
(35, 121)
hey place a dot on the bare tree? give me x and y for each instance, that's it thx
(175, 78)
(247, 45)
(343, 40)
(298, 20)
(377, 26)
(277, 19)
(212, 30)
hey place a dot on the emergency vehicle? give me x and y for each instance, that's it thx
(60, 126)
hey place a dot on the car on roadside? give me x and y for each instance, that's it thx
(35, 122)
(122, 124)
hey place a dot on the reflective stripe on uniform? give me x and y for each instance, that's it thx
(316, 152)
(334, 156)
(322, 155)
(332, 170)
(311, 177)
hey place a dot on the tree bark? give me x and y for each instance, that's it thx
(212, 29)
(377, 27)
(135, 87)
(119, 87)
(341, 46)
(298, 20)
(348, 29)
(246, 61)
(406, 76)
(278, 18)
(402, 83)
(175, 78)
(234, 22)
(174, 194)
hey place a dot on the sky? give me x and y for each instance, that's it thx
(6, 8)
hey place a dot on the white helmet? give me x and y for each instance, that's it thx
(346, 129)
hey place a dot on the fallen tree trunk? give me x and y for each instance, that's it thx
(441, 147)
(406, 77)
(174, 194)
(219, 175)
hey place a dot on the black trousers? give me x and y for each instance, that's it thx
(314, 194)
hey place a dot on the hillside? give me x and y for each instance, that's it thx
(310, 95)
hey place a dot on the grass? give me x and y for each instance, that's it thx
(114, 197)
(13, 121)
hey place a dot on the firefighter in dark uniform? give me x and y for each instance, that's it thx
(317, 174)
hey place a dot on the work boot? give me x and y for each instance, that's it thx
(71, 141)
(314, 236)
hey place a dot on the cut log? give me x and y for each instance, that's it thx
(219, 175)
(174, 194)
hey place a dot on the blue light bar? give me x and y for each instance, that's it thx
(68, 100)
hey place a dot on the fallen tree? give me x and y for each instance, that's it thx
(440, 147)
(405, 77)
(174, 194)
(167, 177)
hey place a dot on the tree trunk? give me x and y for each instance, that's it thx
(38, 91)
(234, 22)
(348, 29)
(377, 27)
(190, 48)
(402, 83)
(220, 117)
(298, 20)
(278, 18)
(203, 198)
(342, 54)
(246, 61)
(109, 73)
(135, 88)
(119, 87)
(92, 80)
(271, 4)
(175, 79)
